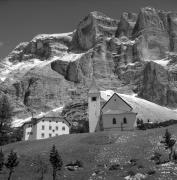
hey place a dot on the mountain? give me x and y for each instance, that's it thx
(134, 54)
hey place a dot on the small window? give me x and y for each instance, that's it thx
(50, 121)
(53, 130)
(114, 121)
(50, 127)
(125, 120)
(93, 98)
(31, 133)
(42, 135)
(50, 135)
(114, 99)
(43, 120)
(56, 127)
(43, 127)
(56, 121)
(63, 128)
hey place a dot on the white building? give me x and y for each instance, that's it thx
(45, 127)
(114, 114)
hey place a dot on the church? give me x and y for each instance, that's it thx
(114, 114)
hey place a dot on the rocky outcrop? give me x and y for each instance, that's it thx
(93, 27)
(126, 25)
(157, 85)
(130, 55)
(153, 38)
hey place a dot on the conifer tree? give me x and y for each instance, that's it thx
(56, 161)
(169, 143)
(11, 163)
(5, 118)
(1, 160)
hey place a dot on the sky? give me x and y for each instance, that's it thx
(21, 20)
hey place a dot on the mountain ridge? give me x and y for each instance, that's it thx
(136, 54)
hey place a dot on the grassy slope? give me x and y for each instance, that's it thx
(95, 150)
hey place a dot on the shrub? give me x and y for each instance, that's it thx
(114, 167)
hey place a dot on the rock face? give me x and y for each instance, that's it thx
(152, 34)
(136, 54)
(126, 25)
(93, 27)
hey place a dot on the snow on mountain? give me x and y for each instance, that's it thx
(145, 109)
(19, 122)
(51, 36)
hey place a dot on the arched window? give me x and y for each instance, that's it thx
(125, 120)
(114, 121)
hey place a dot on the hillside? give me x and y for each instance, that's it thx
(98, 151)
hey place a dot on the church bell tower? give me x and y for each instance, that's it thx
(93, 107)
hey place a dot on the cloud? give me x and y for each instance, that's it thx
(1, 44)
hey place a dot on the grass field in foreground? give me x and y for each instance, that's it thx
(97, 151)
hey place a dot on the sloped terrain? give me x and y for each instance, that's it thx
(130, 151)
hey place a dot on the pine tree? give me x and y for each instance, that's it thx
(1, 160)
(56, 161)
(5, 118)
(169, 143)
(11, 163)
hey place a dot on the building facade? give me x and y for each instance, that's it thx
(114, 114)
(45, 127)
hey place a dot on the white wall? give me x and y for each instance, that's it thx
(107, 120)
(35, 132)
(94, 111)
(29, 132)
(53, 131)
(116, 103)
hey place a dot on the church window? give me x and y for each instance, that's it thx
(93, 98)
(114, 121)
(125, 120)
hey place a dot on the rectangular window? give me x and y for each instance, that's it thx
(56, 127)
(93, 98)
(43, 127)
(42, 135)
(50, 127)
(114, 121)
(50, 135)
(63, 128)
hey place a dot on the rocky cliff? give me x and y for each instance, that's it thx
(135, 53)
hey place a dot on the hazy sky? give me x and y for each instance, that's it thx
(21, 20)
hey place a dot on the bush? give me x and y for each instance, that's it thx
(156, 157)
(114, 167)
(151, 172)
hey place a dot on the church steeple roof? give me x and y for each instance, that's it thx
(93, 87)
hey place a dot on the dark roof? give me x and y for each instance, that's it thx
(36, 120)
(119, 97)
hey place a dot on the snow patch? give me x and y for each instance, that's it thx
(19, 122)
(50, 36)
